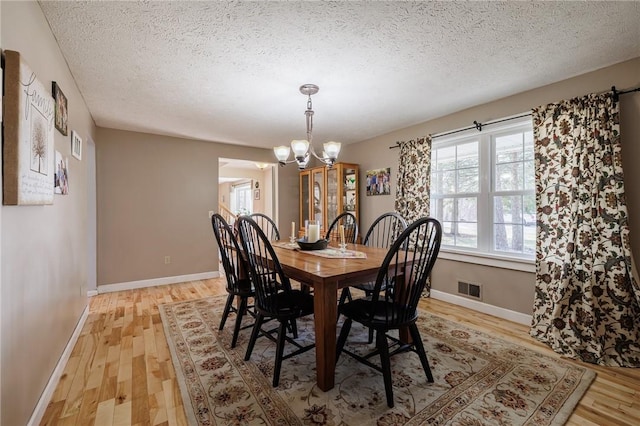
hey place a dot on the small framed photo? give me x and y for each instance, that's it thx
(256, 194)
(379, 182)
(61, 112)
(76, 145)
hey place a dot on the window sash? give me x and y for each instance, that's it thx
(490, 159)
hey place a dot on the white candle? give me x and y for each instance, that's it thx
(342, 235)
(293, 229)
(314, 232)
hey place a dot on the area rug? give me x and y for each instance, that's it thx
(479, 379)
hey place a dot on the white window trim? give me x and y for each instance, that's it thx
(488, 257)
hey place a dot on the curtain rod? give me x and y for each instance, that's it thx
(616, 94)
(478, 126)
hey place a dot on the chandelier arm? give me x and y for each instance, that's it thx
(326, 160)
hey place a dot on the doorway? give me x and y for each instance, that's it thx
(245, 187)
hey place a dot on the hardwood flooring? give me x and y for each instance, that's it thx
(120, 370)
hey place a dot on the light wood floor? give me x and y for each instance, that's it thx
(120, 370)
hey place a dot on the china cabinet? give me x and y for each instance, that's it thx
(325, 193)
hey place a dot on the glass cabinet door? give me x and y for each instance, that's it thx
(332, 195)
(317, 199)
(349, 194)
(304, 198)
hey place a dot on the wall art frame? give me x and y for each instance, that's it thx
(379, 181)
(76, 145)
(62, 112)
(28, 135)
(61, 176)
(256, 194)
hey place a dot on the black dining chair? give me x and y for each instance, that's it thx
(267, 225)
(235, 269)
(382, 233)
(274, 297)
(350, 228)
(394, 301)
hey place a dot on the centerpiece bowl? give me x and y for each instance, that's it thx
(318, 245)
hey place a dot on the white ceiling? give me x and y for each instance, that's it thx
(230, 71)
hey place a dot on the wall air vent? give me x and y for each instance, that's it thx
(470, 290)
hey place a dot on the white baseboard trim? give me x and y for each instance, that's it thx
(47, 393)
(485, 308)
(91, 293)
(108, 288)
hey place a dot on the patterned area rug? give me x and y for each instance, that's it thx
(479, 380)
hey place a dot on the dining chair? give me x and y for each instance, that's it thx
(394, 301)
(235, 269)
(350, 228)
(274, 297)
(267, 225)
(382, 233)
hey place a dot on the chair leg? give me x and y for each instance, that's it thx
(344, 295)
(342, 339)
(370, 335)
(293, 328)
(240, 313)
(417, 341)
(282, 330)
(254, 336)
(225, 313)
(385, 363)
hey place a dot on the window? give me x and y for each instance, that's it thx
(482, 190)
(241, 198)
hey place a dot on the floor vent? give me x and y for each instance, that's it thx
(469, 289)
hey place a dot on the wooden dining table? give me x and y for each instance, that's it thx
(327, 276)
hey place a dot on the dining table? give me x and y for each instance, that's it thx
(327, 275)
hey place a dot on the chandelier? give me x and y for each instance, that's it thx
(303, 148)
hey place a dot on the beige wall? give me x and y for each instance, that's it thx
(44, 248)
(154, 194)
(505, 288)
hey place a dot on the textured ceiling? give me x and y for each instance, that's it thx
(230, 71)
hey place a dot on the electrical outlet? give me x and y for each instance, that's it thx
(210, 213)
(167, 260)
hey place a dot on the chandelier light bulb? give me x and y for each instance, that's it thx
(282, 153)
(332, 149)
(300, 148)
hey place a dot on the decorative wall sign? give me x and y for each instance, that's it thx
(76, 145)
(61, 177)
(378, 182)
(62, 114)
(28, 136)
(256, 194)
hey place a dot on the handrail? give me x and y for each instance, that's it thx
(227, 214)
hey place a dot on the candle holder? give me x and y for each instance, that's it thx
(343, 247)
(292, 239)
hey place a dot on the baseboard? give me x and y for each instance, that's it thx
(47, 393)
(91, 293)
(108, 288)
(485, 308)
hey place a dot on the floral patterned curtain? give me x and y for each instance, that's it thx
(414, 183)
(414, 179)
(587, 302)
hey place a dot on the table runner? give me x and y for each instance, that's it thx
(330, 252)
